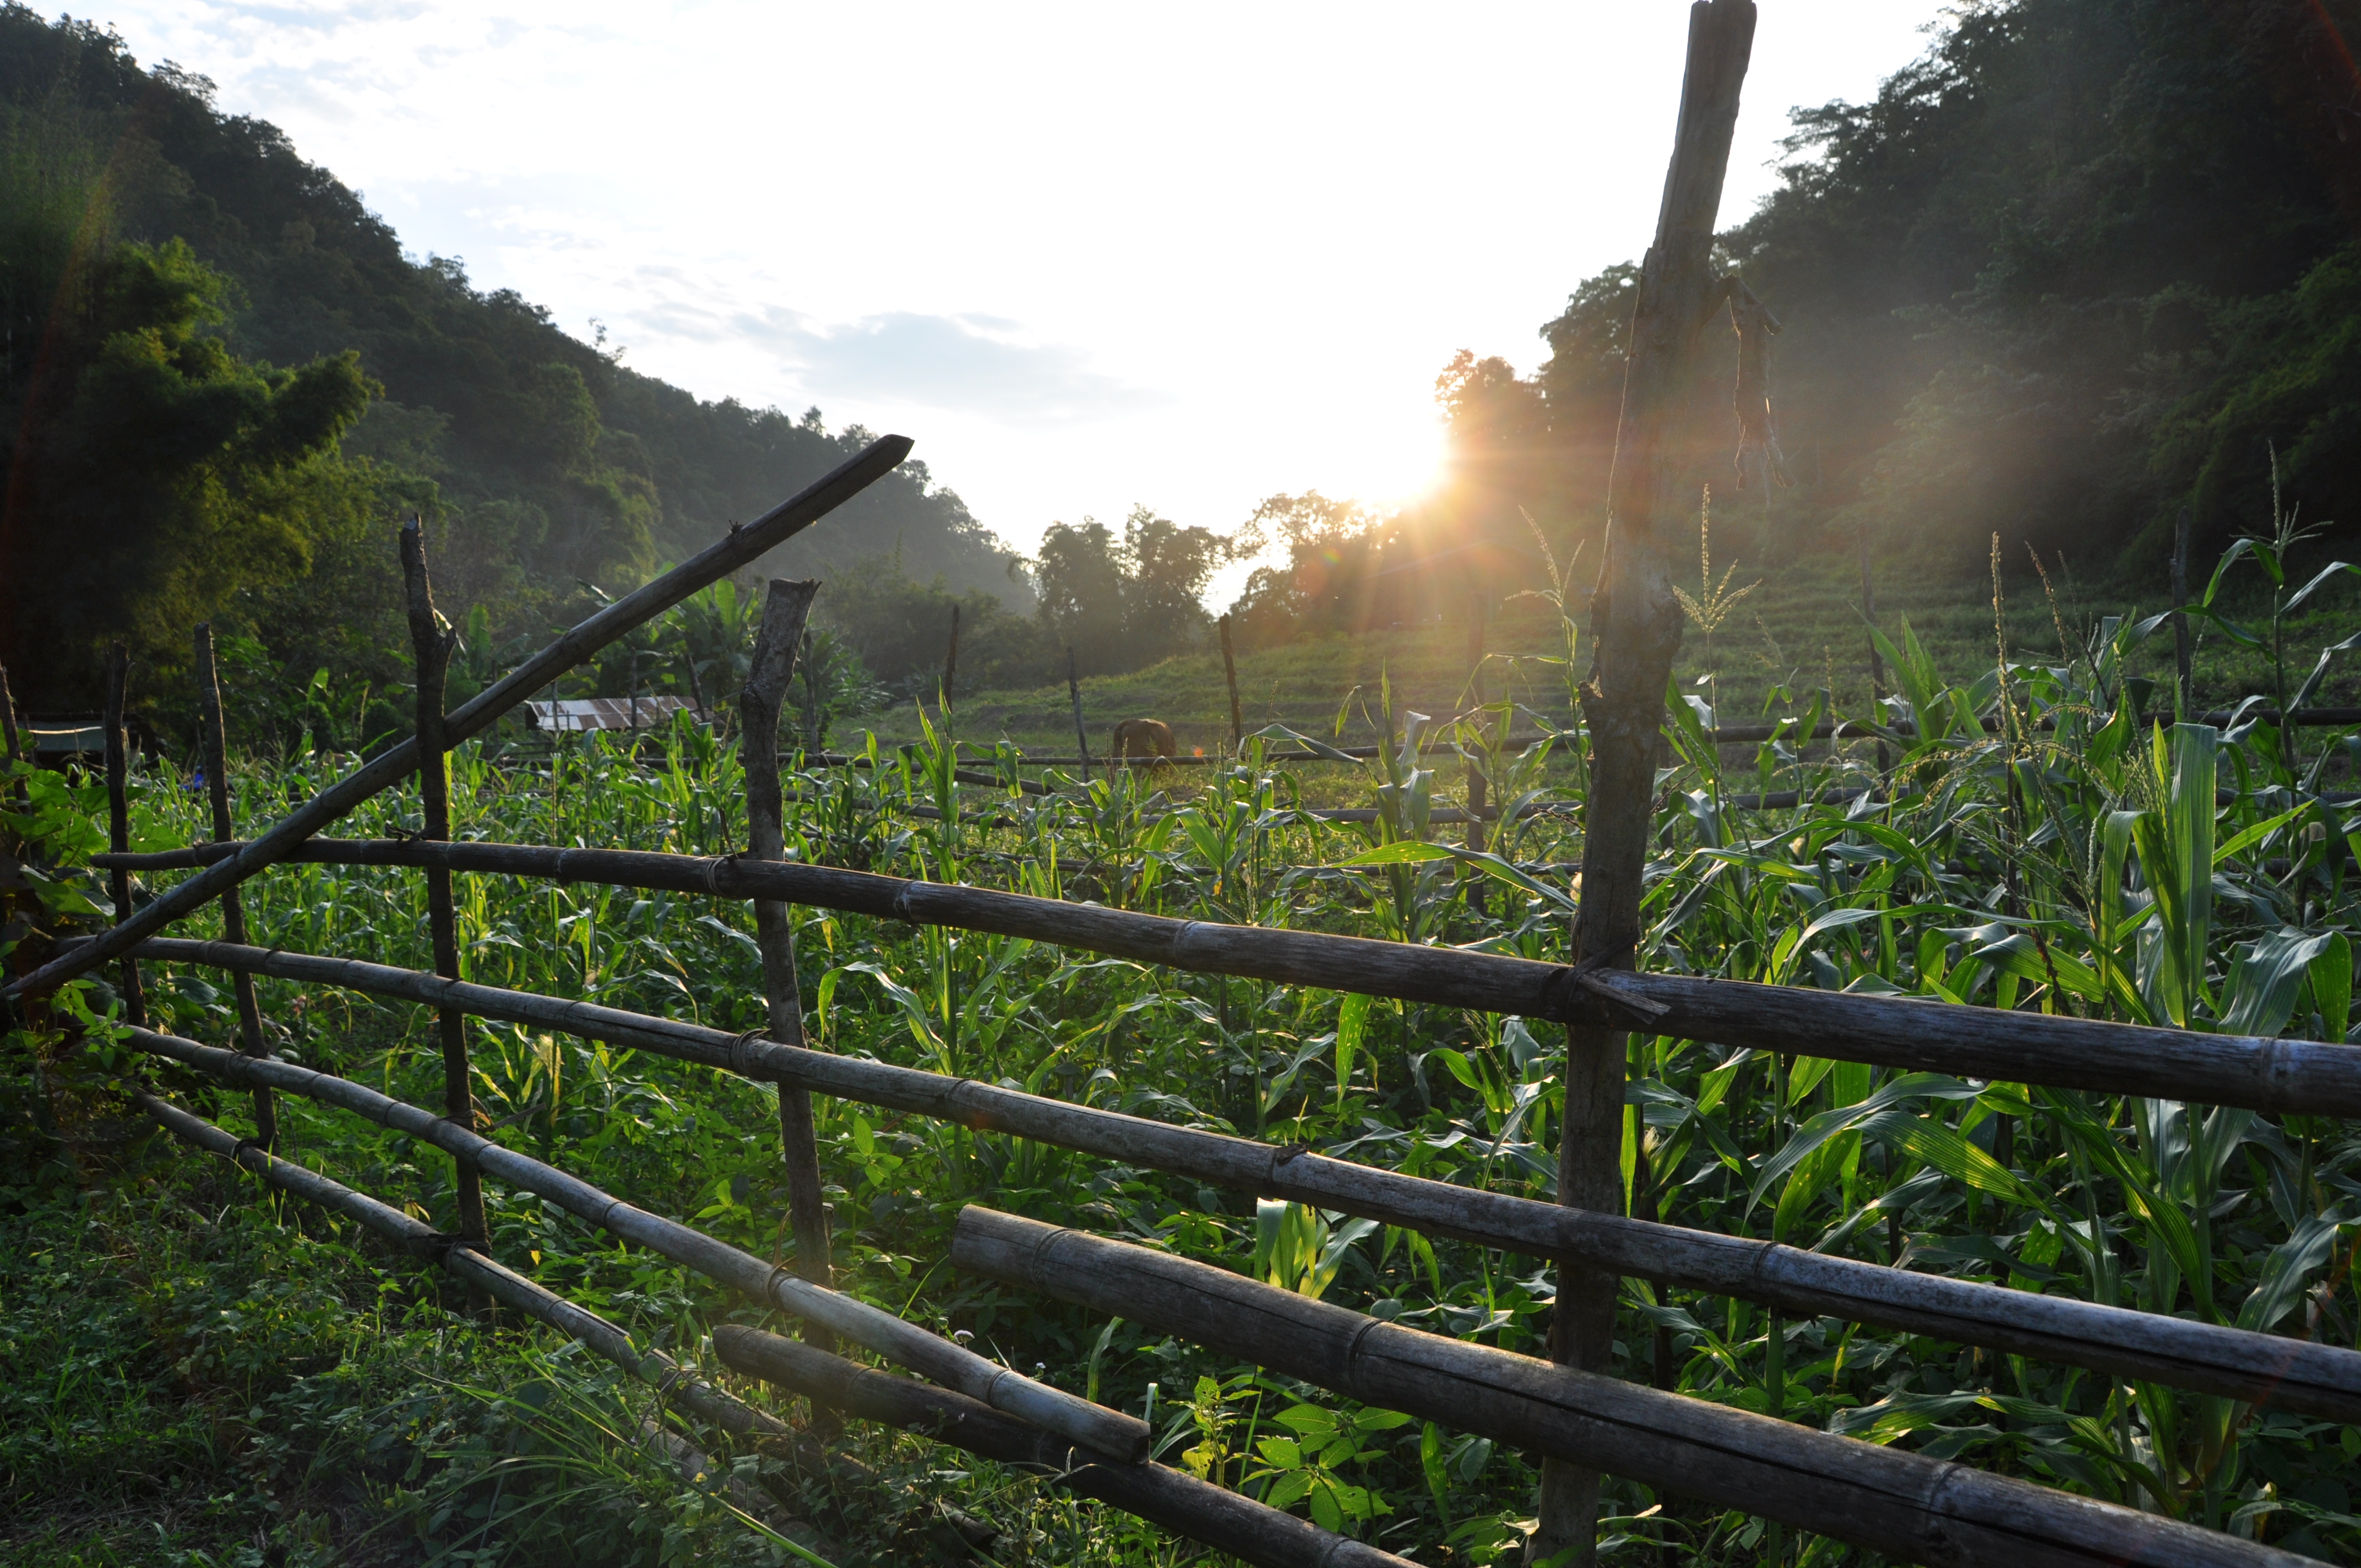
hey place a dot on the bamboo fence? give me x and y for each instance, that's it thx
(1576, 1417)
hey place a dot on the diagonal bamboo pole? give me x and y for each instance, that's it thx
(233, 908)
(2260, 1368)
(1077, 1420)
(769, 672)
(1636, 630)
(740, 547)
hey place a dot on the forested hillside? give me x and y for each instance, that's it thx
(164, 265)
(2084, 263)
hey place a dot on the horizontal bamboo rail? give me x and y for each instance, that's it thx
(1887, 1499)
(1221, 1519)
(2259, 1368)
(2303, 1076)
(1077, 1420)
(739, 547)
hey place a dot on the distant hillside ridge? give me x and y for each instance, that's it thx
(542, 461)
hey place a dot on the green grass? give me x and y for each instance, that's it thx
(1798, 629)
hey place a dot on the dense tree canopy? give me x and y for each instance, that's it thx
(2081, 264)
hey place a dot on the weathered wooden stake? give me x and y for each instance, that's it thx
(1636, 630)
(950, 659)
(769, 673)
(8, 738)
(249, 1013)
(118, 822)
(1876, 658)
(1230, 674)
(1081, 736)
(2180, 644)
(812, 737)
(431, 641)
(1478, 790)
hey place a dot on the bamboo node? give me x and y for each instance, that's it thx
(435, 1247)
(1353, 1347)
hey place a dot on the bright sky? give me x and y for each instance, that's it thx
(1085, 256)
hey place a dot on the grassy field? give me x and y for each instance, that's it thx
(1792, 628)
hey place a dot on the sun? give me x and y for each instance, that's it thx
(1392, 463)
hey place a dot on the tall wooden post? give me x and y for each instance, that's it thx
(13, 744)
(1230, 674)
(768, 676)
(1478, 790)
(1636, 632)
(811, 699)
(1876, 659)
(431, 641)
(216, 740)
(950, 661)
(1081, 736)
(118, 822)
(2180, 649)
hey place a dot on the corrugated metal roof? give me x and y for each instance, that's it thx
(574, 714)
(55, 738)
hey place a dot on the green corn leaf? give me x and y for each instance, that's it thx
(1410, 853)
(1940, 1146)
(2331, 984)
(2285, 1269)
(2263, 980)
(1352, 1019)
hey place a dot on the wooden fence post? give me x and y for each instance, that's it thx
(1081, 736)
(1876, 659)
(769, 673)
(2180, 647)
(118, 823)
(9, 736)
(1636, 630)
(811, 699)
(431, 641)
(217, 739)
(950, 659)
(1230, 674)
(1478, 791)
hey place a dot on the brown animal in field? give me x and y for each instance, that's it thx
(1142, 740)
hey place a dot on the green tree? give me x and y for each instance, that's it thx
(153, 476)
